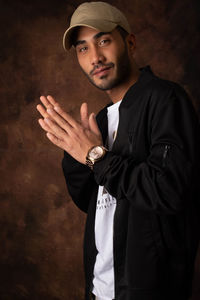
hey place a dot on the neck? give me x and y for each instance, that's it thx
(118, 92)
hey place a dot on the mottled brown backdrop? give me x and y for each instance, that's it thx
(41, 230)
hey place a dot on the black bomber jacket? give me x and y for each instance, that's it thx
(152, 171)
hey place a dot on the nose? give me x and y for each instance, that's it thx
(96, 55)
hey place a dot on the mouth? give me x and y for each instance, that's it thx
(101, 71)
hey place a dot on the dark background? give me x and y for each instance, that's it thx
(41, 230)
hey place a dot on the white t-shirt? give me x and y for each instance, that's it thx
(103, 281)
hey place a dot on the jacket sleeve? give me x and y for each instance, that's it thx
(163, 181)
(79, 178)
(80, 181)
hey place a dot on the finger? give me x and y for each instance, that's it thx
(55, 129)
(44, 125)
(93, 124)
(42, 111)
(46, 102)
(84, 115)
(70, 120)
(59, 120)
(55, 140)
(52, 101)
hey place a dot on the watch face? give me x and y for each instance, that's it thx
(96, 152)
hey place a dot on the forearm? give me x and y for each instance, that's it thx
(80, 181)
(158, 184)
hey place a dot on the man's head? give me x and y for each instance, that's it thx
(103, 57)
(101, 36)
(96, 15)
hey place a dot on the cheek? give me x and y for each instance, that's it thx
(109, 55)
(83, 64)
(114, 53)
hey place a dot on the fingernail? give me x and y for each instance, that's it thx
(56, 107)
(49, 134)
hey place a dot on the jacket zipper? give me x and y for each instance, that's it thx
(130, 138)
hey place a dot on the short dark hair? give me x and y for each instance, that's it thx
(74, 36)
(122, 32)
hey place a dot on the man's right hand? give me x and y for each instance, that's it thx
(64, 131)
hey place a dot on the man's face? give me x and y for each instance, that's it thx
(103, 57)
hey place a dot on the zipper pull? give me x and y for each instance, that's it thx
(167, 147)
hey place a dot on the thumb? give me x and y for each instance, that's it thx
(93, 124)
(84, 115)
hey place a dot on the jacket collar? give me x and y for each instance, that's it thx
(146, 75)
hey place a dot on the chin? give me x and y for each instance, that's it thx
(108, 85)
(105, 84)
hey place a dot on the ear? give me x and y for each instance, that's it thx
(131, 43)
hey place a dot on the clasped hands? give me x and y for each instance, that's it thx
(65, 132)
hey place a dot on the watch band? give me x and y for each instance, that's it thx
(89, 163)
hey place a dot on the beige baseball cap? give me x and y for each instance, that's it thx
(97, 15)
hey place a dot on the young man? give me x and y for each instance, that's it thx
(133, 169)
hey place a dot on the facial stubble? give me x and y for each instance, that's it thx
(123, 71)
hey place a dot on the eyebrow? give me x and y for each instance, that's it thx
(95, 37)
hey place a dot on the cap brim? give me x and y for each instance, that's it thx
(104, 26)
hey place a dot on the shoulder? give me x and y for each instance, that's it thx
(149, 83)
(160, 87)
(155, 89)
(152, 94)
(157, 86)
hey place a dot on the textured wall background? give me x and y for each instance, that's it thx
(41, 230)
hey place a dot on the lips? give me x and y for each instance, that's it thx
(101, 71)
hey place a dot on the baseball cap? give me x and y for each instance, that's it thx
(97, 15)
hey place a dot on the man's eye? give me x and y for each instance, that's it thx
(83, 49)
(103, 42)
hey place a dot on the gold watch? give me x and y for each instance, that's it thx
(95, 154)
